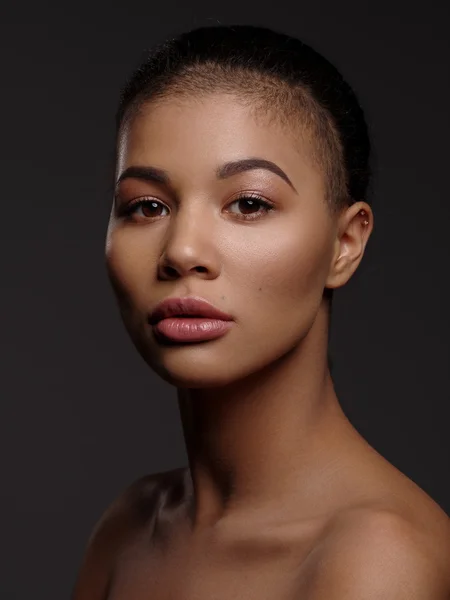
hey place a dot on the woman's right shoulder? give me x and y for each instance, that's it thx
(135, 509)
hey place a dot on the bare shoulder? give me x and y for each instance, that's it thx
(135, 509)
(379, 553)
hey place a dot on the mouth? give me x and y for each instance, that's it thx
(189, 307)
(189, 319)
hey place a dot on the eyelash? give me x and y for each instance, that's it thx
(130, 209)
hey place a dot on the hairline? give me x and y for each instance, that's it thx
(292, 107)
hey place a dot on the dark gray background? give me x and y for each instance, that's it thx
(82, 416)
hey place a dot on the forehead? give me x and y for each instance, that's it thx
(192, 135)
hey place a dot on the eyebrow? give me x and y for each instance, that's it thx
(226, 170)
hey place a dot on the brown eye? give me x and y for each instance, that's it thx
(249, 207)
(150, 208)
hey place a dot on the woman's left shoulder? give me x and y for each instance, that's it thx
(390, 526)
(372, 549)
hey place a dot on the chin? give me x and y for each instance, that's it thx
(192, 372)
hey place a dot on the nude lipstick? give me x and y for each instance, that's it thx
(189, 319)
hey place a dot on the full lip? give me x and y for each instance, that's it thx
(192, 306)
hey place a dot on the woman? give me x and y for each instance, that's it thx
(240, 205)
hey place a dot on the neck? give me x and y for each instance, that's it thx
(252, 442)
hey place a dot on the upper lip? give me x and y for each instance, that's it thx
(193, 306)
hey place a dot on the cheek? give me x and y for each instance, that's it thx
(282, 278)
(129, 263)
(288, 264)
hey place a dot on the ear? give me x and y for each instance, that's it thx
(354, 227)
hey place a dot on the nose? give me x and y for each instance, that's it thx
(189, 248)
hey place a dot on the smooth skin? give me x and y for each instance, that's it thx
(283, 499)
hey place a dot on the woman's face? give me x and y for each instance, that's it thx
(266, 267)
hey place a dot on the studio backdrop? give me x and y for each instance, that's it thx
(82, 415)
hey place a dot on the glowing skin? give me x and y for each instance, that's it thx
(288, 500)
(269, 273)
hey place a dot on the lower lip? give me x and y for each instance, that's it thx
(195, 329)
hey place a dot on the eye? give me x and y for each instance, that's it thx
(250, 202)
(150, 208)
